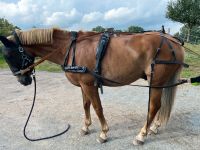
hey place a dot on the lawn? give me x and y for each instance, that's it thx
(190, 59)
(193, 60)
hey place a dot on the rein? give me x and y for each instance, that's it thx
(30, 113)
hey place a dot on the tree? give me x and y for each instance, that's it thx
(194, 34)
(98, 29)
(6, 28)
(186, 12)
(135, 29)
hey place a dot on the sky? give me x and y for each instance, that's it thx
(87, 14)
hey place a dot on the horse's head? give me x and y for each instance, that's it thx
(17, 59)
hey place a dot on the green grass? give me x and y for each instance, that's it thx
(189, 59)
(193, 60)
(2, 62)
(49, 66)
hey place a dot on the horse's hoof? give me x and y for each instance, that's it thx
(101, 140)
(137, 142)
(83, 132)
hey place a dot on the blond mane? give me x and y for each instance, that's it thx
(36, 36)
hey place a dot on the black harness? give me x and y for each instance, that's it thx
(101, 49)
(100, 52)
(72, 68)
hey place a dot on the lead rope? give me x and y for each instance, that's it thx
(30, 113)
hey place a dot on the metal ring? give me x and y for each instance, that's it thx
(21, 50)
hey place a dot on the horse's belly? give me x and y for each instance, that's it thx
(124, 75)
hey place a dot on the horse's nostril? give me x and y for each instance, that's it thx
(25, 80)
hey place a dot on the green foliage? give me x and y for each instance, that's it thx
(132, 29)
(6, 28)
(1, 46)
(118, 31)
(99, 29)
(3, 64)
(194, 34)
(184, 11)
(135, 29)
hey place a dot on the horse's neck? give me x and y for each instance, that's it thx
(61, 40)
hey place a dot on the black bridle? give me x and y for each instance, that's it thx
(26, 58)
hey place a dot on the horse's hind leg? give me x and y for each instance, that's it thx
(93, 95)
(155, 125)
(87, 119)
(155, 103)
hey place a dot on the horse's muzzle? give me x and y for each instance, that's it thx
(25, 79)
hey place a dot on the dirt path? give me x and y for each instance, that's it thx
(59, 102)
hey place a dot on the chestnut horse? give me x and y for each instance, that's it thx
(127, 59)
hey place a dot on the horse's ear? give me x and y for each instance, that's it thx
(6, 42)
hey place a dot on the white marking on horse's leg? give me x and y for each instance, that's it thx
(102, 137)
(85, 129)
(140, 138)
(154, 127)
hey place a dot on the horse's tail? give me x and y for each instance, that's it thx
(167, 99)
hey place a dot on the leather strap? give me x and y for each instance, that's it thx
(74, 36)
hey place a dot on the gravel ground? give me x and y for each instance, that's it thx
(59, 102)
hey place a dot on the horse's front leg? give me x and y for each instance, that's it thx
(87, 119)
(93, 95)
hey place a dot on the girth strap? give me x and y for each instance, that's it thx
(101, 50)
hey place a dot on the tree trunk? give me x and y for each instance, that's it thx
(188, 35)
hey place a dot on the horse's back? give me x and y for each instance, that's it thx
(129, 57)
